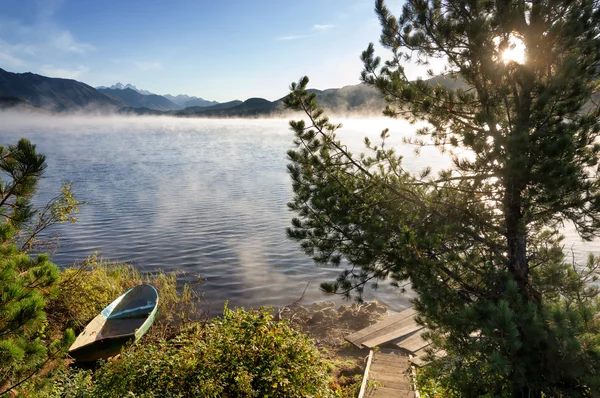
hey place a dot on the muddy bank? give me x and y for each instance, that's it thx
(327, 323)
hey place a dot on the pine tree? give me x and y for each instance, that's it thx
(479, 242)
(25, 282)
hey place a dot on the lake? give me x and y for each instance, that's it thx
(203, 196)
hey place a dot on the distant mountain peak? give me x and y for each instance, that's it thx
(121, 86)
(185, 100)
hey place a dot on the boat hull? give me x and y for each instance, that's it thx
(101, 349)
(125, 320)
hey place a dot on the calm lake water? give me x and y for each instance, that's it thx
(207, 197)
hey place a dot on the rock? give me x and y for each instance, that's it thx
(343, 309)
(316, 318)
(374, 307)
(330, 313)
(361, 322)
(347, 316)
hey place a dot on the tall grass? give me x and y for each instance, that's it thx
(85, 289)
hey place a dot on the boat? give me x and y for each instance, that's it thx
(124, 320)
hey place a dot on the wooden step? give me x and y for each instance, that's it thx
(414, 342)
(382, 375)
(392, 382)
(384, 327)
(386, 392)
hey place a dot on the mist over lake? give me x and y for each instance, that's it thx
(203, 196)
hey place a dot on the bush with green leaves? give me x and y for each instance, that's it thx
(244, 354)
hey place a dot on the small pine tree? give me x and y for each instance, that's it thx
(25, 282)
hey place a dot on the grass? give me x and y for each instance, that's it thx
(85, 289)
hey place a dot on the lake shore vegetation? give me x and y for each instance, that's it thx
(184, 354)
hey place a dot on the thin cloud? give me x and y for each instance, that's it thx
(10, 60)
(52, 71)
(22, 45)
(64, 41)
(11, 54)
(292, 37)
(315, 28)
(323, 27)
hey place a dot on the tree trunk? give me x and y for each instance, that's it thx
(516, 235)
(515, 182)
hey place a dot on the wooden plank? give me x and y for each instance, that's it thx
(391, 329)
(369, 332)
(414, 343)
(392, 364)
(390, 353)
(401, 323)
(420, 361)
(386, 392)
(379, 364)
(361, 394)
(398, 361)
(382, 376)
(388, 375)
(407, 328)
(399, 385)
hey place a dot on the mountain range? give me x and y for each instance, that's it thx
(181, 101)
(31, 91)
(55, 94)
(134, 99)
(185, 101)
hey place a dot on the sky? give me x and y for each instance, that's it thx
(218, 50)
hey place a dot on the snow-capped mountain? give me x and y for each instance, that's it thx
(121, 86)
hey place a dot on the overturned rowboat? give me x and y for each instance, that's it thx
(124, 320)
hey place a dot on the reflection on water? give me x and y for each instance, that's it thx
(203, 196)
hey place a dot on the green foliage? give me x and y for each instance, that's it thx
(21, 167)
(479, 242)
(59, 210)
(244, 354)
(255, 356)
(26, 283)
(67, 383)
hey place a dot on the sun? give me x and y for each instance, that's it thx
(515, 51)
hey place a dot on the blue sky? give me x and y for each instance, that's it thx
(219, 50)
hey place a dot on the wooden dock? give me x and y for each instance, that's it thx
(400, 344)
(391, 328)
(387, 375)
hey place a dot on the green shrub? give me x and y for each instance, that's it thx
(64, 383)
(25, 285)
(251, 355)
(244, 354)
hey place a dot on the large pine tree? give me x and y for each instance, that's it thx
(479, 242)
